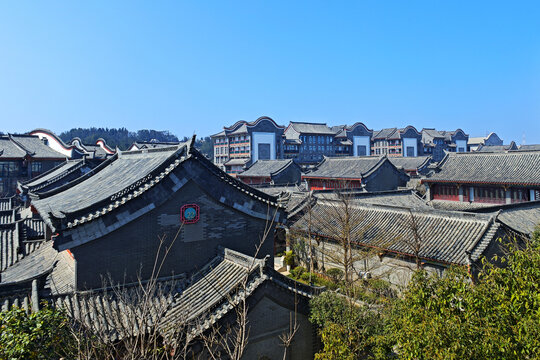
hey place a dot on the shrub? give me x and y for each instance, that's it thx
(335, 274)
(289, 258)
(44, 334)
(297, 272)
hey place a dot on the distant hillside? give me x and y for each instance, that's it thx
(123, 138)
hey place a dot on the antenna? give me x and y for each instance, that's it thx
(523, 139)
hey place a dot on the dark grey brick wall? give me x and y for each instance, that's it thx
(133, 248)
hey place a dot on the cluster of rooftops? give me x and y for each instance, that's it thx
(72, 215)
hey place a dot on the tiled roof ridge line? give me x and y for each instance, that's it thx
(505, 206)
(433, 212)
(488, 226)
(239, 123)
(20, 146)
(50, 171)
(240, 185)
(76, 181)
(282, 168)
(379, 163)
(248, 262)
(386, 249)
(27, 280)
(53, 179)
(127, 194)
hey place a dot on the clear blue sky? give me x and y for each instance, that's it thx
(192, 67)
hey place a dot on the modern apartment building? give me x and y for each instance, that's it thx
(245, 142)
(238, 146)
(436, 142)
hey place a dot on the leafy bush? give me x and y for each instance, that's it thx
(335, 274)
(44, 334)
(450, 317)
(297, 272)
(289, 258)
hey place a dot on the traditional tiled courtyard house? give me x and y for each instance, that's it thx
(491, 140)
(478, 179)
(397, 142)
(274, 172)
(393, 234)
(363, 172)
(412, 166)
(23, 157)
(115, 220)
(245, 142)
(436, 143)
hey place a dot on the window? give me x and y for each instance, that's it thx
(410, 150)
(9, 168)
(36, 166)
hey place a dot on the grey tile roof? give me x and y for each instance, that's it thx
(118, 173)
(428, 135)
(195, 302)
(313, 128)
(57, 176)
(391, 133)
(346, 167)
(521, 217)
(401, 198)
(242, 129)
(497, 148)
(237, 161)
(9, 149)
(153, 144)
(519, 167)
(446, 236)
(266, 168)
(38, 261)
(529, 147)
(121, 179)
(33, 229)
(410, 163)
(456, 205)
(35, 147)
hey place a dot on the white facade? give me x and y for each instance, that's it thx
(53, 143)
(362, 141)
(409, 142)
(262, 138)
(461, 144)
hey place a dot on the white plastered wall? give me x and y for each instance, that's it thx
(53, 143)
(409, 142)
(461, 144)
(262, 138)
(362, 141)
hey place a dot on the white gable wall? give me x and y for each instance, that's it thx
(410, 142)
(262, 138)
(362, 141)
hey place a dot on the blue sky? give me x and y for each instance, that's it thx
(192, 67)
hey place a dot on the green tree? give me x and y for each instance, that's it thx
(348, 330)
(450, 317)
(45, 334)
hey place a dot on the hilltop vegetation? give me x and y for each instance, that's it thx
(120, 137)
(123, 138)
